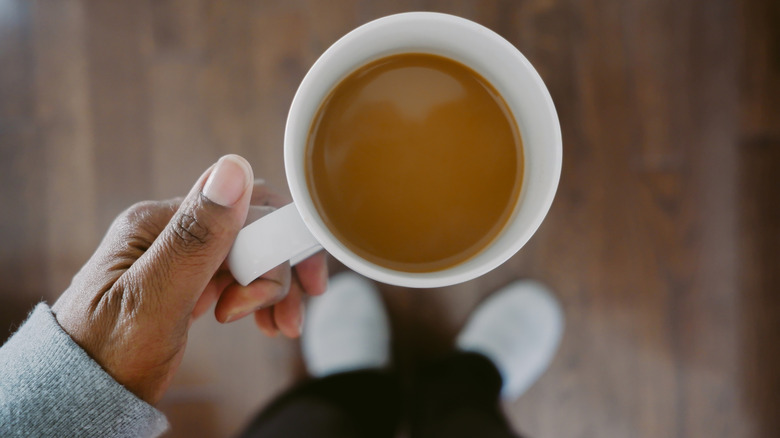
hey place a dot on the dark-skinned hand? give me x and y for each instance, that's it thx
(162, 264)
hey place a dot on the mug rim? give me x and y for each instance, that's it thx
(295, 144)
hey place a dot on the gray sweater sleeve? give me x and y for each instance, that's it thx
(50, 387)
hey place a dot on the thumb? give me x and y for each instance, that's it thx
(187, 253)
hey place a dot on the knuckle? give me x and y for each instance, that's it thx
(189, 231)
(141, 208)
(127, 223)
(139, 212)
(141, 223)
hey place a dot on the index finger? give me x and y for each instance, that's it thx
(237, 301)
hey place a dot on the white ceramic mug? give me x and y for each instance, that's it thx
(296, 231)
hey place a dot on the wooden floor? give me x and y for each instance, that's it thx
(662, 243)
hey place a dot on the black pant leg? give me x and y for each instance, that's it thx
(348, 405)
(459, 397)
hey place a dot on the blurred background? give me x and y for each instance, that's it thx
(662, 243)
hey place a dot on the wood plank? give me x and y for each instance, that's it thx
(183, 145)
(708, 342)
(118, 43)
(759, 213)
(604, 346)
(759, 252)
(64, 116)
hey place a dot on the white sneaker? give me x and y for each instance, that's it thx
(346, 328)
(518, 328)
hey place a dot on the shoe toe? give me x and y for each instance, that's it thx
(519, 329)
(346, 328)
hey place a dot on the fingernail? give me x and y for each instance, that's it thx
(270, 333)
(236, 315)
(228, 180)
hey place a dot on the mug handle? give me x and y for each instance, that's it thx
(270, 241)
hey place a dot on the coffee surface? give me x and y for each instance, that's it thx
(414, 162)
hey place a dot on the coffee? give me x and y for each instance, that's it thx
(414, 162)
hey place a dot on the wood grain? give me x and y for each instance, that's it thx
(662, 243)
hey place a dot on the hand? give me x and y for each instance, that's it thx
(161, 264)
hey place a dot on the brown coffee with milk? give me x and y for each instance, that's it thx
(414, 162)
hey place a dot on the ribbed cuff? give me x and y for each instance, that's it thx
(50, 387)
